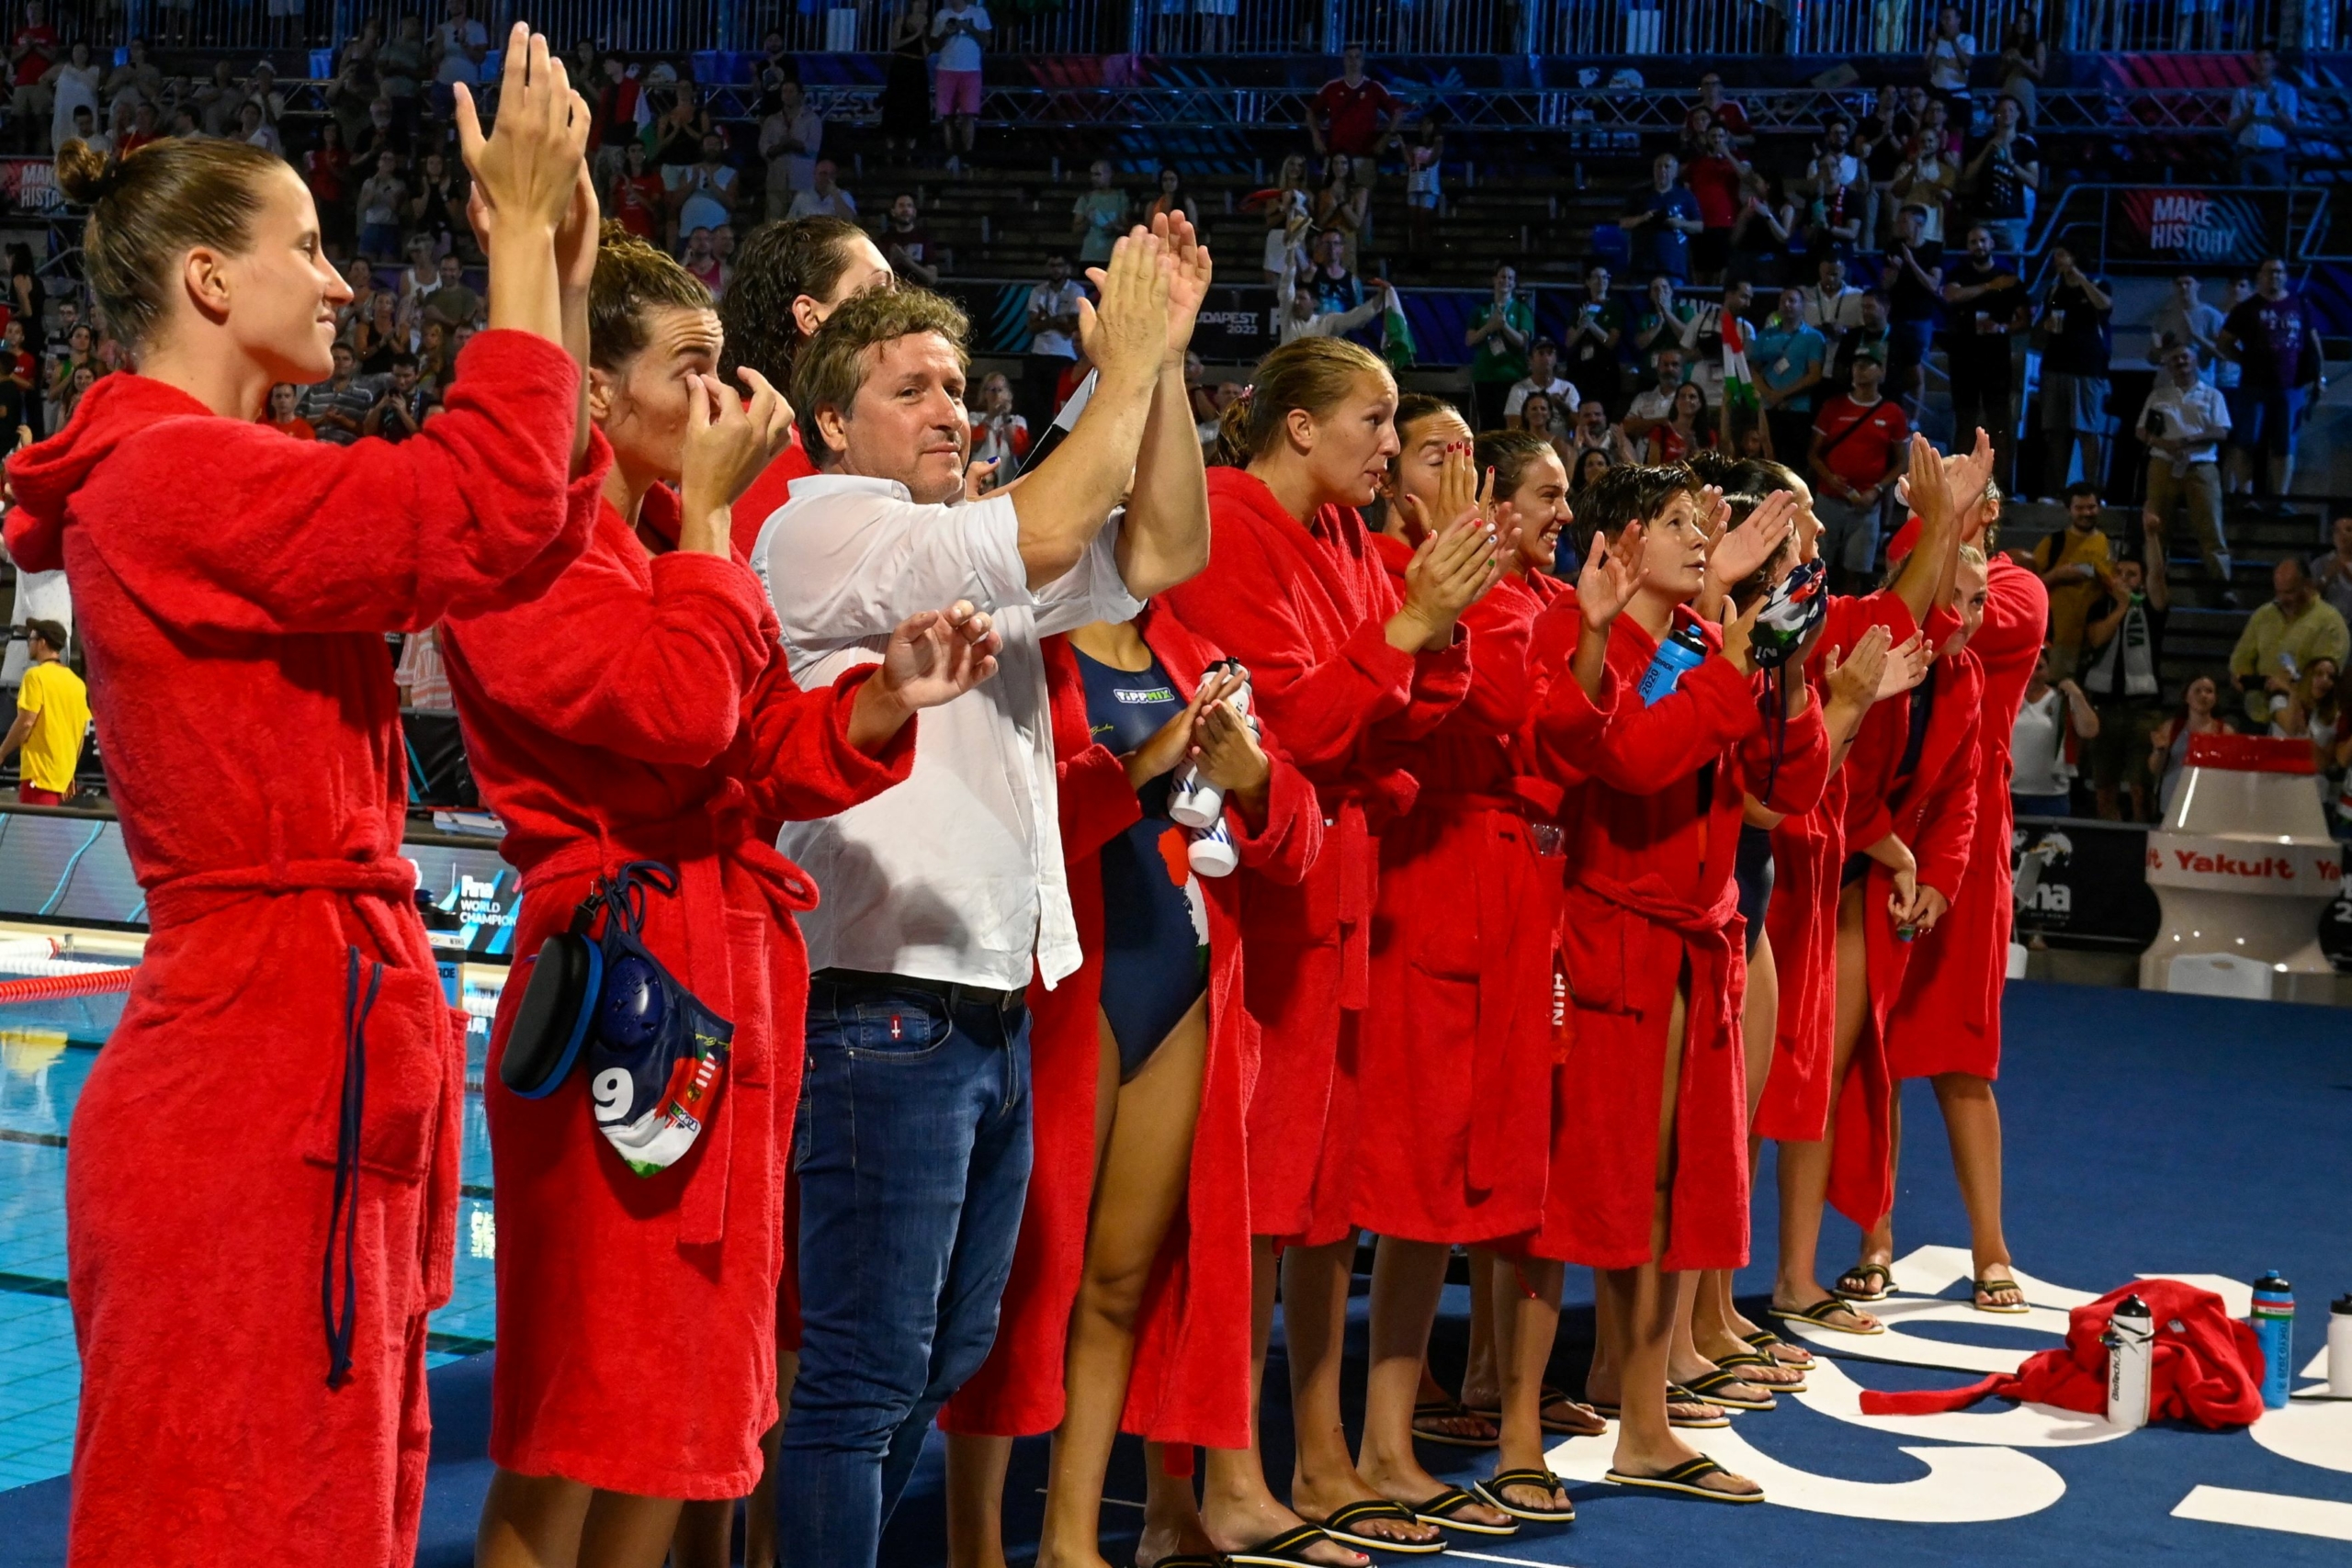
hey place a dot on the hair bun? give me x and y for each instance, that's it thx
(85, 174)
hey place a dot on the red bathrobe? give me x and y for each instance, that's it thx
(1305, 607)
(764, 494)
(232, 588)
(1653, 892)
(1190, 1378)
(635, 711)
(1454, 1065)
(1933, 811)
(1809, 851)
(1948, 1017)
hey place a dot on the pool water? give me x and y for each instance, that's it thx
(46, 1053)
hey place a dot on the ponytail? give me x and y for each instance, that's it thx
(1314, 374)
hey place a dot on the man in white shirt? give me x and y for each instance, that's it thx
(823, 198)
(2183, 422)
(944, 898)
(2262, 122)
(1053, 340)
(790, 141)
(1542, 362)
(1656, 406)
(1832, 305)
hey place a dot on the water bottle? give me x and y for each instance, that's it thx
(2274, 1327)
(1683, 651)
(2339, 1348)
(1193, 800)
(1210, 850)
(2130, 1351)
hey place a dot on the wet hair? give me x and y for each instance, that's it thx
(831, 367)
(1313, 373)
(1629, 494)
(1509, 452)
(632, 278)
(1414, 407)
(1757, 583)
(775, 264)
(148, 210)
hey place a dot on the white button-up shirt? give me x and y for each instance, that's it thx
(2199, 414)
(957, 874)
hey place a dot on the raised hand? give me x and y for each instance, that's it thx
(1610, 576)
(1189, 276)
(1173, 741)
(1928, 487)
(1906, 666)
(1854, 680)
(1445, 577)
(977, 475)
(936, 656)
(1965, 476)
(528, 168)
(1126, 336)
(1739, 630)
(1713, 513)
(575, 237)
(1739, 553)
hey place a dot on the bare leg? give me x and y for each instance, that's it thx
(1237, 1507)
(706, 1530)
(1314, 1314)
(1480, 1372)
(530, 1521)
(976, 1468)
(1528, 1320)
(1407, 1277)
(624, 1531)
(1877, 1242)
(1804, 1167)
(1140, 1184)
(1973, 1121)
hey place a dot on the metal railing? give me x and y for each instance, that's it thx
(1214, 27)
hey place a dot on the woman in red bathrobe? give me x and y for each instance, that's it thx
(634, 712)
(1653, 1090)
(1947, 1024)
(275, 1119)
(1340, 663)
(1130, 1286)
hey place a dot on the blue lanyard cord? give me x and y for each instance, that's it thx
(343, 1327)
(623, 892)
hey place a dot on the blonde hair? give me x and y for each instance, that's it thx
(1313, 373)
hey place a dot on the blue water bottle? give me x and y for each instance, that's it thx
(2274, 1328)
(1685, 651)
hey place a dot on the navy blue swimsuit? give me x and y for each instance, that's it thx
(1155, 945)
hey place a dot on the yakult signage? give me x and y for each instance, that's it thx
(2220, 865)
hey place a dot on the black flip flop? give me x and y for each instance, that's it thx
(1452, 1410)
(1336, 1527)
(1490, 1492)
(1880, 1271)
(1683, 1480)
(1821, 1312)
(1677, 1394)
(1768, 1363)
(1287, 1550)
(1443, 1509)
(1764, 1340)
(1191, 1559)
(1708, 1386)
(1994, 1287)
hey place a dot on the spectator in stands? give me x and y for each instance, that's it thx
(2025, 59)
(451, 300)
(382, 196)
(1424, 184)
(2283, 637)
(1501, 330)
(1790, 358)
(2262, 124)
(52, 719)
(1950, 51)
(908, 244)
(1000, 436)
(1669, 322)
(1762, 232)
(1858, 448)
(261, 88)
(401, 66)
(1538, 416)
(1351, 114)
(2054, 712)
(1913, 272)
(614, 127)
(1336, 287)
(1716, 178)
(790, 138)
(1594, 336)
(437, 206)
(1053, 336)
(2005, 175)
(1097, 217)
(1543, 379)
(1595, 436)
(2313, 712)
(1692, 144)
(1685, 429)
(824, 199)
(2073, 563)
(2123, 675)
(960, 28)
(2332, 571)
(2274, 340)
(216, 102)
(1873, 335)
(31, 52)
(1662, 216)
(73, 84)
(2183, 422)
(700, 258)
(2184, 318)
(1883, 141)
(1984, 304)
(1727, 114)
(87, 130)
(400, 413)
(1655, 404)
(285, 412)
(2078, 339)
(703, 194)
(2169, 747)
(459, 45)
(1173, 199)
(1343, 206)
(1833, 307)
(1289, 212)
(1927, 178)
(326, 170)
(674, 140)
(1300, 309)
(20, 370)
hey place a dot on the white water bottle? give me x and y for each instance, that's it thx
(1193, 801)
(2130, 1351)
(2339, 1348)
(1210, 850)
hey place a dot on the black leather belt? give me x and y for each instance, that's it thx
(954, 993)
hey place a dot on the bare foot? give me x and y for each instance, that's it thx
(1235, 1527)
(1577, 1419)
(1159, 1543)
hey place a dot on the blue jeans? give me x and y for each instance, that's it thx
(913, 1146)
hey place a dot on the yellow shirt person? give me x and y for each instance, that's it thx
(53, 717)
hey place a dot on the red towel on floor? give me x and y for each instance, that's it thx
(2207, 1367)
